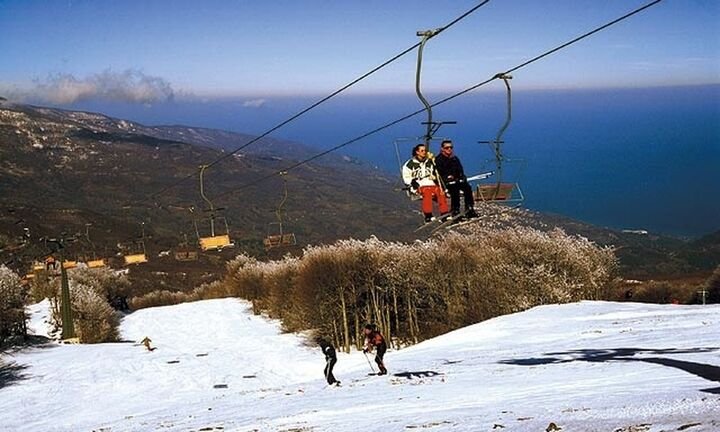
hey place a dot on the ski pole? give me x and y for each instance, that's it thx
(369, 364)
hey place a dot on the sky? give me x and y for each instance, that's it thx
(147, 51)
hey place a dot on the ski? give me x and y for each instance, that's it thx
(425, 225)
(448, 223)
(459, 223)
(437, 222)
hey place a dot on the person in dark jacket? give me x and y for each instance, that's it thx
(452, 174)
(374, 339)
(330, 360)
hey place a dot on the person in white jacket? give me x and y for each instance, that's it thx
(420, 175)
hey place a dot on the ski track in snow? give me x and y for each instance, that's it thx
(589, 366)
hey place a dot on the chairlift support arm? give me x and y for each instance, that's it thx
(425, 35)
(207, 200)
(278, 212)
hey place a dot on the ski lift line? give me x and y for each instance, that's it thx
(328, 97)
(447, 99)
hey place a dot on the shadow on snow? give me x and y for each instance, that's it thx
(702, 370)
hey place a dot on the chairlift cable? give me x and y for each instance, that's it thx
(324, 99)
(447, 99)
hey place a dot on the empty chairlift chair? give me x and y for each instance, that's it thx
(184, 252)
(496, 189)
(278, 237)
(218, 236)
(136, 252)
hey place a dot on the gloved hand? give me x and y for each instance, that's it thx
(414, 184)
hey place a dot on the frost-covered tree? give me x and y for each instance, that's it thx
(113, 286)
(95, 321)
(13, 317)
(713, 287)
(413, 291)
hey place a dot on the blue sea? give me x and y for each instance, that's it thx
(623, 158)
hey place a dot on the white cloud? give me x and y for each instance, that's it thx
(127, 86)
(254, 103)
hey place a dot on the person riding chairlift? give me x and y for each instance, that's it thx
(420, 175)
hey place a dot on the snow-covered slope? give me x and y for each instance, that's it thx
(591, 366)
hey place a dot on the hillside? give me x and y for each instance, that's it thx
(64, 169)
(68, 171)
(589, 366)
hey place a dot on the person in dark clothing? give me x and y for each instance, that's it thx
(374, 339)
(452, 174)
(330, 360)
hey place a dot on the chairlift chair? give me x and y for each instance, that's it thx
(431, 126)
(91, 259)
(69, 264)
(217, 240)
(279, 238)
(96, 263)
(137, 256)
(497, 190)
(186, 255)
(184, 252)
(137, 253)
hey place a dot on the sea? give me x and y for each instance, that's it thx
(630, 158)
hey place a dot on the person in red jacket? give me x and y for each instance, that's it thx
(374, 339)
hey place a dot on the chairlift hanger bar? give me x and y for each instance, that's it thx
(425, 35)
(326, 98)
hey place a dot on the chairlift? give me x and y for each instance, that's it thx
(277, 237)
(96, 263)
(218, 239)
(137, 253)
(90, 259)
(184, 252)
(497, 189)
(431, 126)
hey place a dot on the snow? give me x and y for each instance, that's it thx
(589, 366)
(39, 322)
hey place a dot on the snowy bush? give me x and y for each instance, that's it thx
(43, 286)
(104, 281)
(95, 321)
(665, 292)
(412, 291)
(13, 318)
(415, 291)
(159, 298)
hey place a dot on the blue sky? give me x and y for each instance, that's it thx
(266, 48)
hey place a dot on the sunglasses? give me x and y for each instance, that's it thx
(447, 147)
